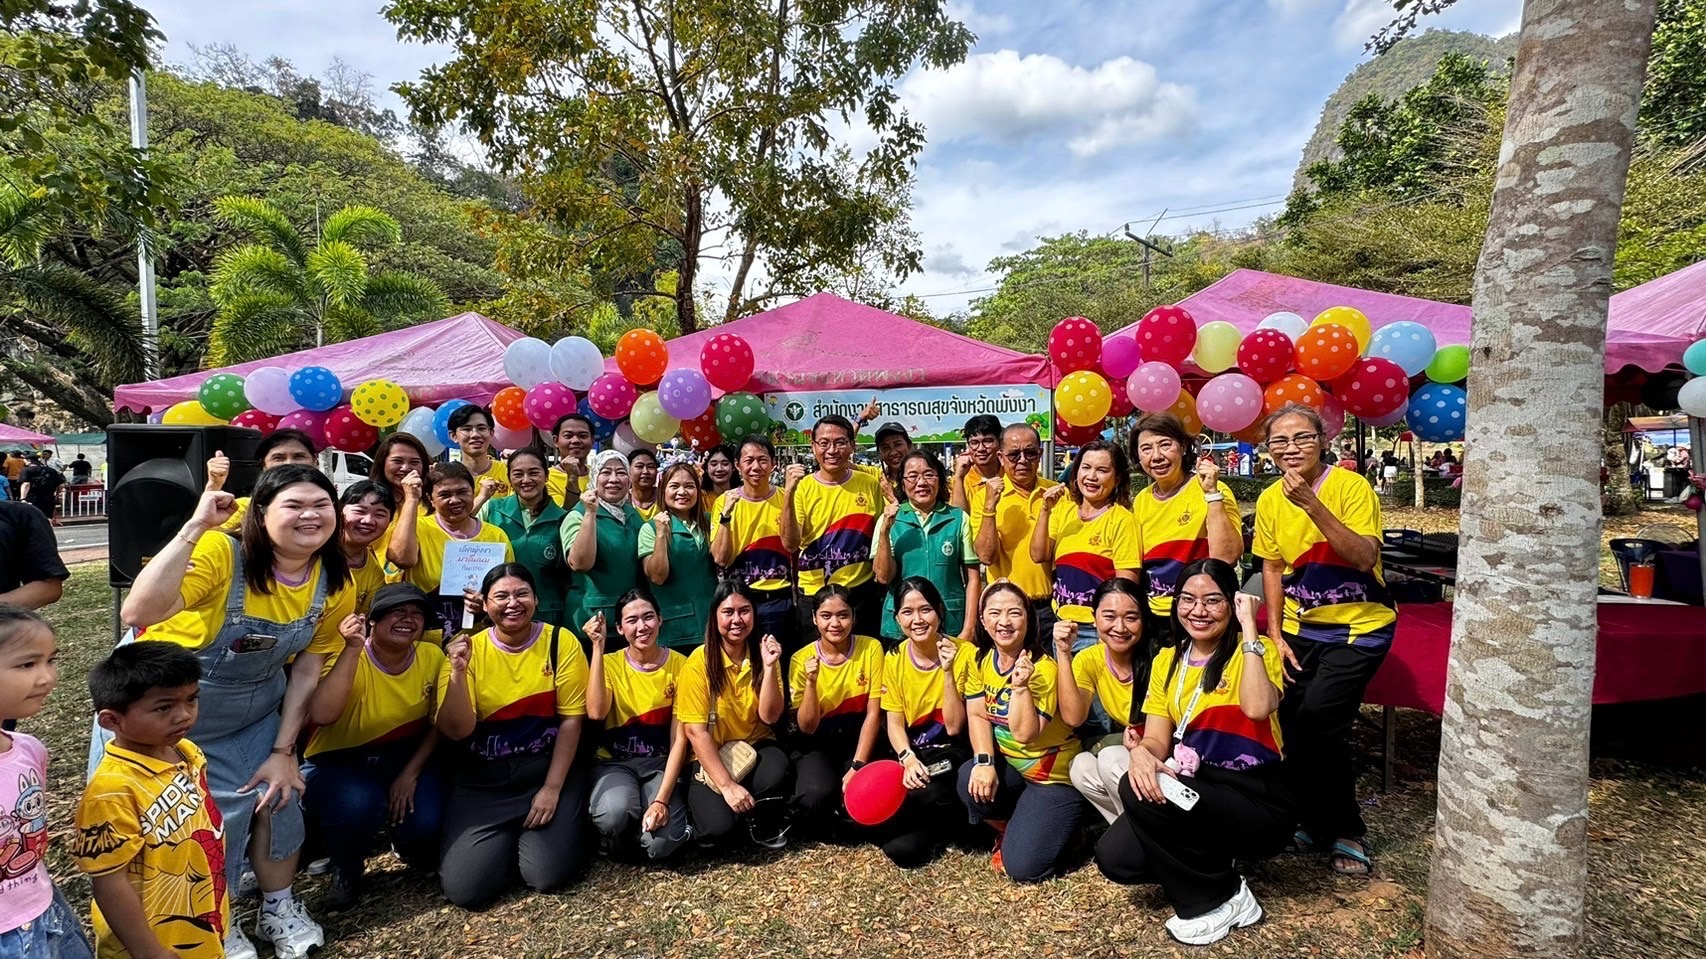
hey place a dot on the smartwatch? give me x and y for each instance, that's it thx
(984, 759)
(725, 519)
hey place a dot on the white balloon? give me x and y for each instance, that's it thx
(1691, 399)
(419, 425)
(527, 362)
(625, 442)
(1290, 324)
(576, 362)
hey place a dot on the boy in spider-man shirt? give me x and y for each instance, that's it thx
(148, 833)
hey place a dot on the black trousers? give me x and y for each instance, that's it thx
(1241, 815)
(1315, 718)
(776, 616)
(712, 817)
(931, 817)
(486, 846)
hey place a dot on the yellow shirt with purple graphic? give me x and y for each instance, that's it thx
(1174, 532)
(755, 528)
(1086, 554)
(836, 523)
(1326, 598)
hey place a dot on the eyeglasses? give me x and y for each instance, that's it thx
(1213, 604)
(835, 444)
(473, 429)
(913, 479)
(981, 442)
(1019, 456)
(1282, 443)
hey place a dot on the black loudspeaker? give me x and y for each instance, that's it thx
(155, 476)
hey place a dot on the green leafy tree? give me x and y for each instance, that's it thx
(286, 289)
(651, 137)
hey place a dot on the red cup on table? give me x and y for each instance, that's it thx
(1641, 580)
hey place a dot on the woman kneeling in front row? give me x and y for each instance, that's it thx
(1211, 724)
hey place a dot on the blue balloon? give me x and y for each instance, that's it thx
(1406, 343)
(602, 429)
(1438, 412)
(441, 420)
(316, 388)
(1694, 358)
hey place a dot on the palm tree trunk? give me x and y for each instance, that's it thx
(1510, 853)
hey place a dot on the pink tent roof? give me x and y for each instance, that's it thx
(824, 342)
(1645, 327)
(13, 434)
(457, 357)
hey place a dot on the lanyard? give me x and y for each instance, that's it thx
(1190, 709)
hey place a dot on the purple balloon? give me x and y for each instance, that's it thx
(1120, 356)
(684, 393)
(1229, 402)
(268, 390)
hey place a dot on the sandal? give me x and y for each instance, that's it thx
(1301, 842)
(1349, 860)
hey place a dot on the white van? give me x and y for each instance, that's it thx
(345, 469)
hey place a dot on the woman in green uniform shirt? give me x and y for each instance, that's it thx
(601, 541)
(927, 537)
(675, 552)
(533, 524)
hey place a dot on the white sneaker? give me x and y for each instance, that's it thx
(248, 887)
(318, 867)
(237, 945)
(1212, 926)
(292, 932)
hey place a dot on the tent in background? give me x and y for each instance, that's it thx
(14, 435)
(460, 357)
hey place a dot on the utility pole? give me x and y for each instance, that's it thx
(1149, 248)
(144, 256)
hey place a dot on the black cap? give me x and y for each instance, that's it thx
(395, 596)
(892, 427)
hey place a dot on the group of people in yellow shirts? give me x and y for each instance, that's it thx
(718, 658)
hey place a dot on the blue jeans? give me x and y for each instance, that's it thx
(1097, 724)
(348, 803)
(55, 934)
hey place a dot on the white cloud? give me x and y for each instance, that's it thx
(1359, 20)
(1002, 97)
(982, 23)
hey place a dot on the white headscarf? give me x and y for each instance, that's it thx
(596, 461)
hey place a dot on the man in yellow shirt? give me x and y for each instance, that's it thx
(573, 438)
(471, 428)
(1004, 514)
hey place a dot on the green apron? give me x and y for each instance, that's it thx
(615, 570)
(684, 600)
(539, 547)
(933, 548)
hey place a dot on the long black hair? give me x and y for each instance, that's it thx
(1143, 653)
(1122, 471)
(729, 452)
(727, 587)
(932, 597)
(986, 642)
(257, 545)
(1226, 581)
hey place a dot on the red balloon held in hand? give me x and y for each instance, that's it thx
(876, 792)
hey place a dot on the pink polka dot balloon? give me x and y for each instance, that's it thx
(547, 403)
(1332, 414)
(727, 362)
(256, 420)
(1374, 387)
(346, 431)
(1229, 402)
(612, 396)
(1266, 355)
(310, 422)
(1075, 344)
(1167, 334)
(1153, 387)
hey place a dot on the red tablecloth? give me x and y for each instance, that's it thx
(1645, 652)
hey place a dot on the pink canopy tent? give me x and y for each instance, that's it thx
(824, 342)
(12, 435)
(460, 357)
(1646, 330)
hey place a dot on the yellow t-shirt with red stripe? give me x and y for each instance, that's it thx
(737, 705)
(517, 701)
(383, 707)
(431, 539)
(843, 690)
(1326, 598)
(1092, 672)
(916, 692)
(755, 529)
(1174, 534)
(836, 525)
(1045, 760)
(208, 581)
(1086, 554)
(642, 705)
(1217, 728)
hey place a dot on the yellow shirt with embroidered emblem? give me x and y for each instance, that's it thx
(517, 702)
(155, 821)
(383, 707)
(1044, 759)
(916, 693)
(837, 521)
(642, 706)
(844, 690)
(1015, 517)
(207, 582)
(737, 705)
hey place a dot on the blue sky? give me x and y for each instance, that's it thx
(1068, 115)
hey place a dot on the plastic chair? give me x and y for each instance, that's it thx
(1628, 552)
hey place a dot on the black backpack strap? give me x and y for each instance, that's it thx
(553, 654)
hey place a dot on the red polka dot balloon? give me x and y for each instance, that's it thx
(1373, 388)
(1332, 414)
(1295, 388)
(1075, 344)
(1266, 355)
(256, 420)
(1065, 434)
(345, 431)
(1326, 351)
(1122, 405)
(1167, 334)
(701, 431)
(727, 362)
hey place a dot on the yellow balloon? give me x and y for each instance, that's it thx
(1083, 398)
(1217, 346)
(190, 413)
(380, 403)
(649, 421)
(1351, 319)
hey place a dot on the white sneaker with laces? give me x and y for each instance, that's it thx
(237, 945)
(292, 932)
(1212, 926)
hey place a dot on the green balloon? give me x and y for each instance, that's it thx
(741, 414)
(221, 395)
(1449, 365)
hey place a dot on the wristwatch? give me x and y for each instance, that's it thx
(1256, 646)
(983, 759)
(725, 519)
(858, 764)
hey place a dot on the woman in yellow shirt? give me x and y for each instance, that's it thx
(418, 548)
(1211, 723)
(731, 694)
(643, 474)
(1017, 781)
(1105, 673)
(636, 786)
(717, 475)
(261, 612)
(747, 541)
(366, 509)
(833, 685)
(1181, 516)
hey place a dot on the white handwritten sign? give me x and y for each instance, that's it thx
(466, 564)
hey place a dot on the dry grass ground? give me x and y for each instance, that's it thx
(1647, 896)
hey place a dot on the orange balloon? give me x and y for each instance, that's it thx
(642, 357)
(1185, 408)
(1255, 434)
(507, 408)
(1326, 351)
(1293, 388)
